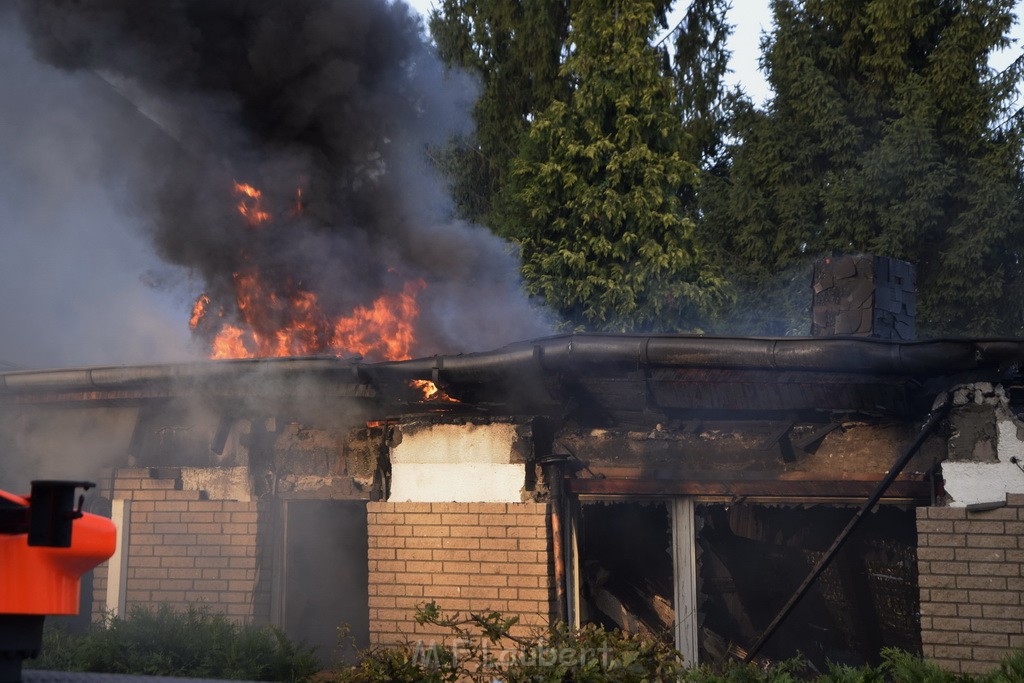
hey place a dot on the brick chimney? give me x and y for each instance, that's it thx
(864, 296)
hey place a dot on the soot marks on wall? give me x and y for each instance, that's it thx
(852, 448)
(752, 558)
(184, 433)
(985, 445)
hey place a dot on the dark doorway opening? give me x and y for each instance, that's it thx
(751, 558)
(326, 576)
(625, 565)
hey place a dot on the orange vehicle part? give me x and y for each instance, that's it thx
(40, 579)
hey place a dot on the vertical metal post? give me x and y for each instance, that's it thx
(572, 562)
(684, 560)
(117, 565)
(553, 476)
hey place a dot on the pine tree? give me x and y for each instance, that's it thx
(889, 134)
(515, 48)
(699, 67)
(595, 195)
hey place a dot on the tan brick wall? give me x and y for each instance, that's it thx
(184, 550)
(972, 584)
(468, 557)
(99, 590)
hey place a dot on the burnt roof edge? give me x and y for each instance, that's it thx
(99, 378)
(935, 357)
(566, 353)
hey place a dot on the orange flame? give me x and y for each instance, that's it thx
(431, 392)
(288, 320)
(297, 325)
(229, 344)
(198, 310)
(385, 328)
(251, 205)
(428, 388)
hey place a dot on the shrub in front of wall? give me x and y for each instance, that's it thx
(164, 642)
(592, 653)
(1011, 670)
(481, 648)
(902, 667)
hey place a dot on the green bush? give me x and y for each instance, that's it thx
(480, 648)
(1011, 670)
(477, 647)
(163, 642)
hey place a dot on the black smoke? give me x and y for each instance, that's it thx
(342, 100)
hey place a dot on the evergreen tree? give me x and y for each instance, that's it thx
(700, 64)
(889, 134)
(515, 48)
(594, 201)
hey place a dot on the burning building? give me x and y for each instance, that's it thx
(683, 486)
(328, 468)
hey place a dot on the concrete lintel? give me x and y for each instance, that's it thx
(457, 483)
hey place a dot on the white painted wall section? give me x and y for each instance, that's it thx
(464, 463)
(979, 482)
(456, 483)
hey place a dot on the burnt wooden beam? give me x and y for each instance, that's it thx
(810, 442)
(712, 476)
(770, 488)
(780, 438)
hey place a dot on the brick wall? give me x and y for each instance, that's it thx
(184, 550)
(972, 584)
(467, 557)
(99, 590)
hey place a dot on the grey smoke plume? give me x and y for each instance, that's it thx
(70, 261)
(337, 99)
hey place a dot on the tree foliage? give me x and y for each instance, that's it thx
(515, 49)
(700, 65)
(889, 134)
(594, 200)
